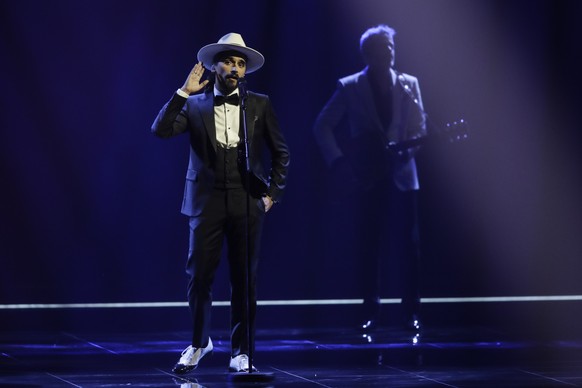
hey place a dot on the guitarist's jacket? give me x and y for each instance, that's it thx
(366, 139)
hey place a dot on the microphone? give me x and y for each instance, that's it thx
(242, 87)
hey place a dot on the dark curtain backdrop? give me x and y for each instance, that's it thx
(89, 199)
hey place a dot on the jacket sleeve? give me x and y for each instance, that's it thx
(280, 157)
(327, 121)
(171, 119)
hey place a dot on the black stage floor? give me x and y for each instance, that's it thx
(468, 355)
(450, 357)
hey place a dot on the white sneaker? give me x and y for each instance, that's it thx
(240, 363)
(190, 358)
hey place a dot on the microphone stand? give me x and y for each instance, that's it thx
(250, 375)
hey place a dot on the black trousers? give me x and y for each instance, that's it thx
(386, 231)
(224, 220)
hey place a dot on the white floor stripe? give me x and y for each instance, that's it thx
(298, 302)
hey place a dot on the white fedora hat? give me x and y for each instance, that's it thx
(231, 41)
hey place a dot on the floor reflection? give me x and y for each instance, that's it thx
(328, 357)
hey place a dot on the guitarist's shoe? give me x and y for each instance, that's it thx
(369, 324)
(413, 323)
(371, 310)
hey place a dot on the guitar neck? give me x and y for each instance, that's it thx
(454, 132)
(407, 144)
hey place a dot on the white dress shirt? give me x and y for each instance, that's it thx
(226, 120)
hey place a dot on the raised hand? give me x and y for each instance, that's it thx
(193, 84)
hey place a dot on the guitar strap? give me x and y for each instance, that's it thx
(407, 86)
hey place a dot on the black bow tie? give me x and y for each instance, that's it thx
(232, 99)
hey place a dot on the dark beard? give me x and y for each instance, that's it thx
(224, 86)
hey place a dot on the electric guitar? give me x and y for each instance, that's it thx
(452, 133)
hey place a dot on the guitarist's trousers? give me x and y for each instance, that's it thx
(387, 233)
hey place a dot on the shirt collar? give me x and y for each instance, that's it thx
(217, 92)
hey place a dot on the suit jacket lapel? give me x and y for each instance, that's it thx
(365, 93)
(250, 118)
(206, 107)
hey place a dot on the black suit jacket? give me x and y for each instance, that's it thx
(195, 115)
(353, 101)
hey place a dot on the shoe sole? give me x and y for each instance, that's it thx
(190, 368)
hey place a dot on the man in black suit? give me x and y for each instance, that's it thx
(217, 188)
(381, 106)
